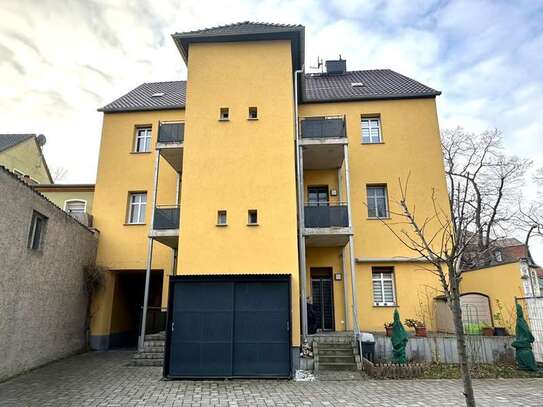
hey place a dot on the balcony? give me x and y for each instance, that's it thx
(322, 140)
(326, 225)
(166, 225)
(170, 143)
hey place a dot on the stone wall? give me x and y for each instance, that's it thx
(42, 298)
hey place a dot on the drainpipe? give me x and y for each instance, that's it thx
(356, 329)
(342, 258)
(141, 339)
(300, 191)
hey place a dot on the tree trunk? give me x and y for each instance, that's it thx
(461, 340)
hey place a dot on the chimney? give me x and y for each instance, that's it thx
(336, 66)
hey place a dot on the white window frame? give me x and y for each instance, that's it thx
(367, 123)
(379, 276)
(32, 235)
(134, 205)
(224, 114)
(375, 198)
(68, 201)
(144, 133)
(498, 256)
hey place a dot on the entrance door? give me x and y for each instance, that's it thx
(318, 196)
(323, 298)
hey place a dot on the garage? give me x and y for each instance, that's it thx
(228, 326)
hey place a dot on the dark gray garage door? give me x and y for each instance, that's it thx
(233, 326)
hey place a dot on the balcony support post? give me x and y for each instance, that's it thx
(301, 224)
(356, 328)
(174, 251)
(342, 256)
(141, 338)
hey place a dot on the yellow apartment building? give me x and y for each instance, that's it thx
(253, 188)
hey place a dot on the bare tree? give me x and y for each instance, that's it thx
(529, 217)
(58, 174)
(479, 169)
(441, 238)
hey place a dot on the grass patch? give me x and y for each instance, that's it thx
(479, 371)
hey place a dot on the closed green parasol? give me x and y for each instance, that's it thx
(399, 340)
(523, 343)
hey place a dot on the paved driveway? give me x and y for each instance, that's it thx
(104, 379)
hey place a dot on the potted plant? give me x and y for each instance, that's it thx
(486, 329)
(388, 328)
(499, 321)
(418, 326)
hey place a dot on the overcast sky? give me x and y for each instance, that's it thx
(60, 60)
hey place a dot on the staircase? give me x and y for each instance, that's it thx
(336, 351)
(153, 351)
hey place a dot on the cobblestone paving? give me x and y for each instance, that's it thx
(105, 379)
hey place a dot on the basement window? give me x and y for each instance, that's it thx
(221, 218)
(253, 113)
(224, 114)
(252, 217)
(37, 231)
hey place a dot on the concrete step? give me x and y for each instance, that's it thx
(337, 366)
(161, 336)
(149, 355)
(336, 352)
(147, 362)
(336, 359)
(153, 349)
(154, 344)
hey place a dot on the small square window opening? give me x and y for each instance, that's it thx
(253, 113)
(224, 113)
(252, 217)
(221, 218)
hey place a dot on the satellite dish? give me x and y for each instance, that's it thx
(41, 140)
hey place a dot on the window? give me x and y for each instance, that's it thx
(252, 216)
(377, 201)
(371, 130)
(75, 206)
(318, 196)
(253, 113)
(221, 218)
(224, 113)
(137, 203)
(498, 256)
(142, 144)
(37, 231)
(384, 293)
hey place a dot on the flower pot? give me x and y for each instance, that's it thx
(487, 331)
(388, 330)
(420, 331)
(500, 331)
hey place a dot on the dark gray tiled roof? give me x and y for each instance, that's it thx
(142, 98)
(376, 84)
(10, 140)
(242, 28)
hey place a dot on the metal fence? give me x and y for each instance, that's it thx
(166, 217)
(323, 128)
(533, 312)
(326, 216)
(171, 133)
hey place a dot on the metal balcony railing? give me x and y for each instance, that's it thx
(166, 217)
(316, 128)
(326, 216)
(171, 133)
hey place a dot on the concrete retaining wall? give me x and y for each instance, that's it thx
(42, 299)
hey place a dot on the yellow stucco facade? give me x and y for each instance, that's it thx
(243, 163)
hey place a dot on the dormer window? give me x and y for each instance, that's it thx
(224, 114)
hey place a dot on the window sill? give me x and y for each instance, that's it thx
(252, 119)
(252, 224)
(385, 218)
(385, 306)
(140, 152)
(369, 144)
(224, 120)
(134, 224)
(221, 225)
